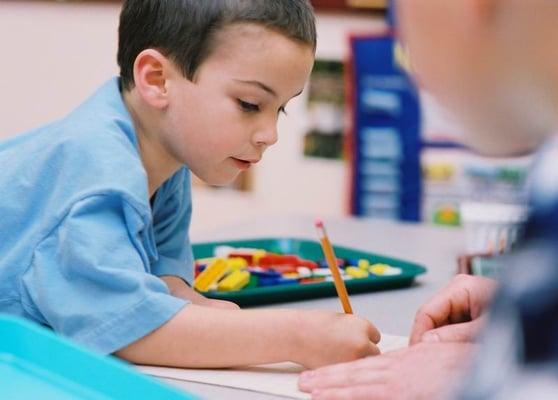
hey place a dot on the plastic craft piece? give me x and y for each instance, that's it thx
(225, 251)
(356, 272)
(344, 277)
(272, 260)
(304, 272)
(237, 263)
(392, 271)
(363, 264)
(385, 270)
(285, 269)
(277, 281)
(378, 269)
(320, 273)
(305, 281)
(340, 263)
(252, 257)
(214, 271)
(235, 281)
(264, 273)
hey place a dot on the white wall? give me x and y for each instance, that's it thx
(53, 55)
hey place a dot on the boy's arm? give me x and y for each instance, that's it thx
(179, 288)
(205, 337)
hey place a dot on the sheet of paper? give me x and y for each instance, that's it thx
(277, 379)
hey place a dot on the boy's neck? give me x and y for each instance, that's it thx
(158, 163)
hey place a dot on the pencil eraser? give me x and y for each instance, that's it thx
(319, 223)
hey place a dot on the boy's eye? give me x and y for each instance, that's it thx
(283, 110)
(248, 107)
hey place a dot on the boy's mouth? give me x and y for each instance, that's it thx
(243, 165)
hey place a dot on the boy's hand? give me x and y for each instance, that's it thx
(323, 338)
(179, 288)
(454, 314)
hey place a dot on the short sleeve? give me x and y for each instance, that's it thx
(89, 278)
(172, 211)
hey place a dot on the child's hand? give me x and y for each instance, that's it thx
(179, 288)
(324, 338)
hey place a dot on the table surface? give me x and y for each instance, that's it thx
(391, 311)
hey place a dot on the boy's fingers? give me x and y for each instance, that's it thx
(373, 350)
(374, 334)
(465, 332)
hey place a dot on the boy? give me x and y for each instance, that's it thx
(495, 64)
(96, 207)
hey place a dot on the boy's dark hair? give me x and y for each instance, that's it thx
(184, 30)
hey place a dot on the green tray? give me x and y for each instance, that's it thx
(310, 250)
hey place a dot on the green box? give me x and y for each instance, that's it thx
(310, 250)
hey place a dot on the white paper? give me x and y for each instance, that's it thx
(276, 379)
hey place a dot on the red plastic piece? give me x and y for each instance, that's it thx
(312, 280)
(272, 260)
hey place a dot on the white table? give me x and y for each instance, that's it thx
(391, 311)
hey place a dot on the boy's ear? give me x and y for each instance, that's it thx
(150, 77)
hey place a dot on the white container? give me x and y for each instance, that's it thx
(492, 228)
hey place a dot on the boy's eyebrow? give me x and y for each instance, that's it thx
(264, 87)
(260, 85)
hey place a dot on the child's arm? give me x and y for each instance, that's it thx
(205, 337)
(179, 288)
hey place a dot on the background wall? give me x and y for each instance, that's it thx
(55, 54)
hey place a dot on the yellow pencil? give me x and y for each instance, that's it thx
(332, 263)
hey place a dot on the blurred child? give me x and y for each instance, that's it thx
(96, 206)
(495, 64)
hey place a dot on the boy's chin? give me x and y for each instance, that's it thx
(219, 180)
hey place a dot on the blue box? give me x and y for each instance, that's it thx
(37, 364)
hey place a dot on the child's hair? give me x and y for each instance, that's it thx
(184, 30)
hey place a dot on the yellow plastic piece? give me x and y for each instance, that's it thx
(214, 271)
(291, 275)
(202, 261)
(364, 264)
(258, 254)
(236, 263)
(379, 269)
(235, 281)
(356, 272)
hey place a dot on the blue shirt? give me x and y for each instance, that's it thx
(81, 247)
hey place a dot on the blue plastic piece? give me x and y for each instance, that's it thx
(276, 281)
(37, 364)
(267, 274)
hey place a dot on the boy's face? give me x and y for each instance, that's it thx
(222, 122)
(477, 57)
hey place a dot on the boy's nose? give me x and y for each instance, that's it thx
(267, 136)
